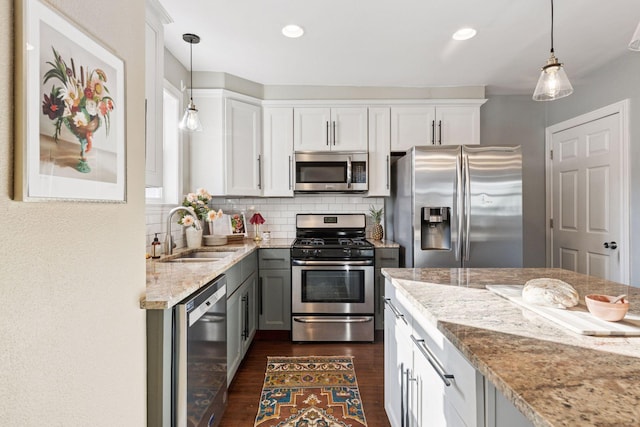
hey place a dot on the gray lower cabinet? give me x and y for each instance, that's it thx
(242, 316)
(385, 258)
(274, 289)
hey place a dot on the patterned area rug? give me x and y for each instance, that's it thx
(312, 391)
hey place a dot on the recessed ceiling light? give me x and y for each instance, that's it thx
(293, 31)
(464, 34)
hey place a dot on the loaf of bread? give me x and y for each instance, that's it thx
(550, 293)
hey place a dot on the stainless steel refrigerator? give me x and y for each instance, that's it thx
(457, 206)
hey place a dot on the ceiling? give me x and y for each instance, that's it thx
(405, 43)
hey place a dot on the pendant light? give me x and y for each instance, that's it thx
(553, 82)
(190, 121)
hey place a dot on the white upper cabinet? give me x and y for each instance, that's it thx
(226, 156)
(411, 125)
(155, 17)
(330, 129)
(442, 124)
(379, 151)
(244, 161)
(277, 147)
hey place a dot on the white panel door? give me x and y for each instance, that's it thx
(587, 198)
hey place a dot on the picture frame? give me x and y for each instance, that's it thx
(70, 111)
(238, 224)
(229, 226)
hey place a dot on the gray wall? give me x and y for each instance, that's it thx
(517, 119)
(618, 80)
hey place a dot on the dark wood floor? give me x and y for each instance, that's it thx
(244, 392)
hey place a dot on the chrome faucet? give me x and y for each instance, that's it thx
(168, 240)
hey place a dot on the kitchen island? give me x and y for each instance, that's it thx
(551, 375)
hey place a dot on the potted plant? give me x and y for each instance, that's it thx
(376, 215)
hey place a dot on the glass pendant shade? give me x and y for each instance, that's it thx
(553, 82)
(191, 121)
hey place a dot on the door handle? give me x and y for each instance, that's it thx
(610, 245)
(439, 132)
(387, 170)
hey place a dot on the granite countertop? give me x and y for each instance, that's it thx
(553, 376)
(169, 283)
(383, 244)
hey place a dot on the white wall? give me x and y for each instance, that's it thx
(72, 335)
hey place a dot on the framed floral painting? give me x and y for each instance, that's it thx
(70, 115)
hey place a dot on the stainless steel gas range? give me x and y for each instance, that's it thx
(332, 268)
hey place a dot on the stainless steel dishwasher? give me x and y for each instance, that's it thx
(199, 363)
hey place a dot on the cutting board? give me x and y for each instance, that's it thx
(576, 319)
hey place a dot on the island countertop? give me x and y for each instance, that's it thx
(553, 376)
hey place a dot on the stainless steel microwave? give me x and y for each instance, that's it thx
(331, 172)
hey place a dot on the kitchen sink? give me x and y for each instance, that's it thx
(201, 256)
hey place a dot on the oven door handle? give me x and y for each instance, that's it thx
(338, 263)
(333, 320)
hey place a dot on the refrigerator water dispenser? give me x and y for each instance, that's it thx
(435, 228)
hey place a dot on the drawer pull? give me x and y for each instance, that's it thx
(395, 310)
(433, 361)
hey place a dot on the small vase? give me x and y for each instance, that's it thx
(85, 136)
(194, 237)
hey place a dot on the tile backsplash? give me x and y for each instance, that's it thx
(279, 213)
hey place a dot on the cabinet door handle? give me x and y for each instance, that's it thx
(334, 132)
(433, 132)
(431, 358)
(259, 172)
(395, 310)
(245, 329)
(290, 169)
(387, 171)
(260, 294)
(440, 132)
(403, 411)
(327, 132)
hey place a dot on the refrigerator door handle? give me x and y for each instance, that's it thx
(467, 208)
(459, 207)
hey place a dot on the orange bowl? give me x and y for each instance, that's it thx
(601, 307)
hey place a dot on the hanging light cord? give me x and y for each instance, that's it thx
(191, 65)
(552, 26)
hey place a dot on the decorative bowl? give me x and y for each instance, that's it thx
(601, 307)
(214, 240)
